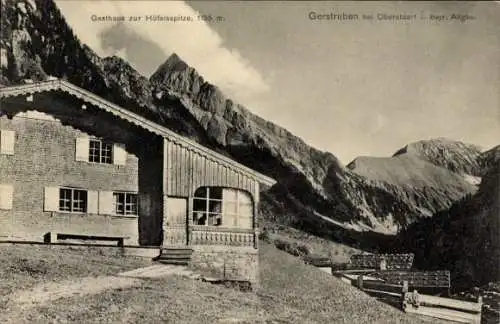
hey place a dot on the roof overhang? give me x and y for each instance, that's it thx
(90, 98)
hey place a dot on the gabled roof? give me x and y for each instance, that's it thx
(89, 97)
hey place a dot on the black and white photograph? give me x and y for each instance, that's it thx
(249, 162)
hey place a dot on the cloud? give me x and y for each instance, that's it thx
(194, 41)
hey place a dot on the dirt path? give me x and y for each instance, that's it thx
(157, 271)
(50, 291)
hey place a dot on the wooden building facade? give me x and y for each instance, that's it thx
(89, 166)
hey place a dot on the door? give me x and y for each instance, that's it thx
(175, 222)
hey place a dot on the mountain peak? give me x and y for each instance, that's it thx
(173, 63)
(175, 73)
(115, 60)
(115, 65)
(174, 57)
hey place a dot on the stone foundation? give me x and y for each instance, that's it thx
(227, 262)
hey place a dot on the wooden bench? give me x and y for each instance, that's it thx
(443, 308)
(51, 237)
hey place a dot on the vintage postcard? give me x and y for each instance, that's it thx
(249, 161)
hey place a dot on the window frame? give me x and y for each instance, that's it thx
(237, 201)
(100, 153)
(75, 197)
(126, 203)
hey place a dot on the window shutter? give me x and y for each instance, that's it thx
(6, 196)
(119, 154)
(92, 202)
(51, 199)
(106, 202)
(245, 210)
(7, 139)
(82, 149)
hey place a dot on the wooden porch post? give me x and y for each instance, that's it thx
(256, 199)
(166, 176)
(189, 222)
(164, 220)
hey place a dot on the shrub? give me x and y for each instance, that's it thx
(265, 236)
(303, 250)
(292, 248)
(282, 245)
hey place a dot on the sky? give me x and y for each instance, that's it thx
(353, 87)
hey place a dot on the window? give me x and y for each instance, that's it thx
(214, 206)
(125, 203)
(72, 200)
(100, 151)
(7, 139)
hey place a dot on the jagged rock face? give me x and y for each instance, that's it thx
(452, 155)
(177, 97)
(35, 48)
(133, 86)
(176, 74)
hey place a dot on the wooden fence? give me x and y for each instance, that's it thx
(383, 261)
(440, 278)
(431, 282)
(367, 261)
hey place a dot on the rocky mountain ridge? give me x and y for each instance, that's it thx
(455, 156)
(313, 186)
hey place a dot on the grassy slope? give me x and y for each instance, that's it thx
(290, 292)
(302, 294)
(23, 266)
(317, 246)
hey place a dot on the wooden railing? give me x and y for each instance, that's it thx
(213, 235)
